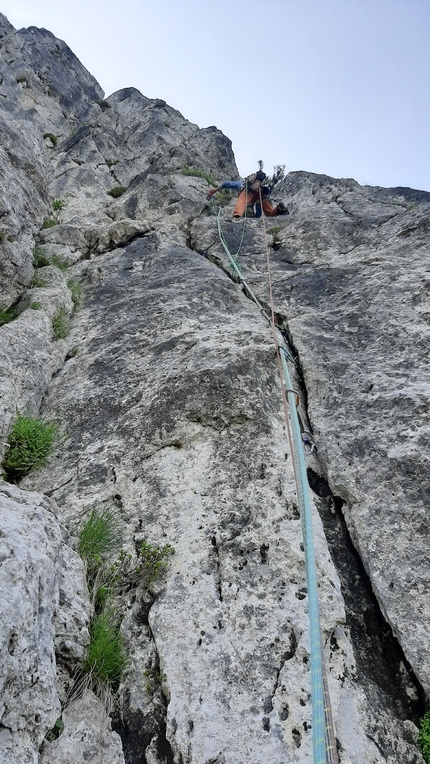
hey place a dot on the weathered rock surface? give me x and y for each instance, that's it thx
(172, 406)
(42, 583)
(86, 736)
(351, 275)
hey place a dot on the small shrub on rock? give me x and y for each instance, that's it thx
(49, 223)
(9, 314)
(61, 324)
(76, 291)
(195, 172)
(57, 205)
(39, 259)
(424, 737)
(30, 442)
(59, 263)
(117, 191)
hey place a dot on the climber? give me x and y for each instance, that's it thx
(250, 195)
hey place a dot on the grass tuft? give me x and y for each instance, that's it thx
(39, 259)
(30, 442)
(106, 657)
(61, 324)
(424, 737)
(98, 538)
(76, 291)
(195, 172)
(117, 191)
(49, 223)
(9, 314)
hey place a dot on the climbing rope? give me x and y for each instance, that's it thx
(323, 736)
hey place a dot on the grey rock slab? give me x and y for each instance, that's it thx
(174, 415)
(29, 357)
(86, 736)
(34, 572)
(351, 281)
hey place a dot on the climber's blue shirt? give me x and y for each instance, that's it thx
(236, 185)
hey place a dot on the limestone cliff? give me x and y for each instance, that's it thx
(167, 389)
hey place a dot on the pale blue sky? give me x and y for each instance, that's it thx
(340, 87)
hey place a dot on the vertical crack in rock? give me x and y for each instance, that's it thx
(379, 657)
(143, 730)
(380, 660)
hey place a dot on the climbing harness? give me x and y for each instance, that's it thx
(323, 736)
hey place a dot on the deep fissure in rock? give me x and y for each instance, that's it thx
(380, 658)
(378, 654)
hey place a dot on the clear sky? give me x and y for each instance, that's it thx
(340, 87)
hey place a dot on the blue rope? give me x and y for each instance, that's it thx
(317, 680)
(321, 715)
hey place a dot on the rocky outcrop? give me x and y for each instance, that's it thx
(45, 614)
(167, 390)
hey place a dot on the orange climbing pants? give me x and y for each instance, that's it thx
(252, 197)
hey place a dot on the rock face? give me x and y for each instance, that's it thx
(167, 389)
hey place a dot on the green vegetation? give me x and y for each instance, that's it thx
(112, 162)
(52, 138)
(30, 442)
(59, 262)
(39, 259)
(106, 657)
(199, 174)
(61, 324)
(36, 305)
(424, 737)
(57, 205)
(38, 281)
(275, 231)
(76, 291)
(224, 196)
(117, 191)
(151, 561)
(9, 314)
(154, 679)
(72, 352)
(49, 223)
(99, 539)
(56, 731)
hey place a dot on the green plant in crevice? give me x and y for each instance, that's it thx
(151, 561)
(30, 442)
(56, 731)
(117, 191)
(59, 263)
(106, 656)
(195, 172)
(8, 315)
(224, 196)
(49, 223)
(36, 305)
(424, 737)
(61, 324)
(57, 205)
(75, 288)
(98, 538)
(276, 241)
(39, 258)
